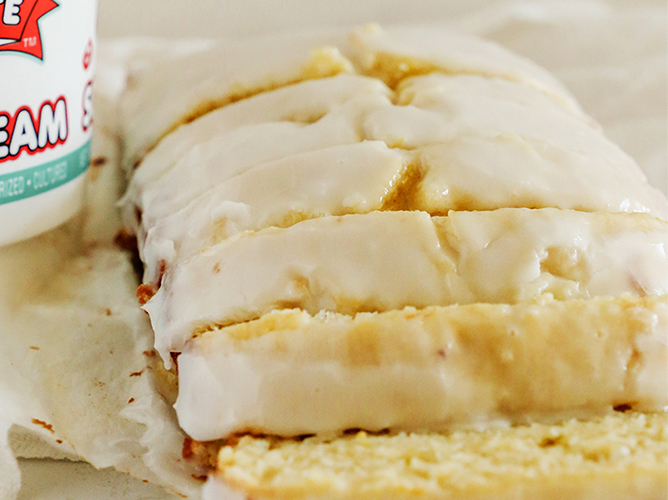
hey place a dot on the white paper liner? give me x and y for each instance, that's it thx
(53, 286)
(78, 381)
(90, 380)
(10, 479)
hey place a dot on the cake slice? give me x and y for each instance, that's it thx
(618, 457)
(425, 370)
(353, 178)
(429, 89)
(224, 157)
(487, 173)
(304, 102)
(466, 173)
(394, 54)
(389, 260)
(229, 71)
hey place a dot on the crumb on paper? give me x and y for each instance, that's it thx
(43, 424)
(140, 372)
(98, 161)
(145, 292)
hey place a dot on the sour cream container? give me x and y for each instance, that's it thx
(47, 54)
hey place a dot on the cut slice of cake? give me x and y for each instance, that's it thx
(221, 158)
(425, 370)
(394, 54)
(228, 71)
(619, 457)
(302, 103)
(367, 176)
(353, 178)
(389, 260)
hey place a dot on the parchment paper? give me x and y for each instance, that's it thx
(71, 334)
(78, 373)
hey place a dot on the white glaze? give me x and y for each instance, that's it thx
(487, 173)
(343, 179)
(426, 90)
(455, 54)
(440, 116)
(303, 102)
(223, 157)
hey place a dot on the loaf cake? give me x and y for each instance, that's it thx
(395, 264)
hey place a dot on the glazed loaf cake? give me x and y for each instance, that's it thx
(409, 233)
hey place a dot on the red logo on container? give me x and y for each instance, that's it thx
(19, 31)
(88, 54)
